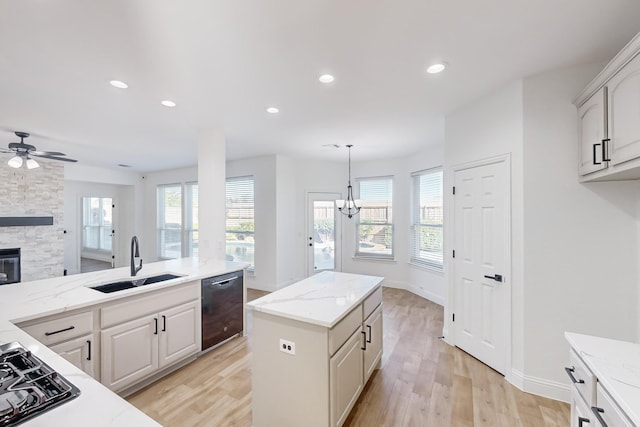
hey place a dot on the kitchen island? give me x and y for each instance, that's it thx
(314, 346)
(26, 303)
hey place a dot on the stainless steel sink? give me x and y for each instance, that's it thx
(128, 284)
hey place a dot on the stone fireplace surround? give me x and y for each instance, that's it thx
(34, 193)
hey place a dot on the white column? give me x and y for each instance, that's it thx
(211, 192)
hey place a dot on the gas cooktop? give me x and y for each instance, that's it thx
(28, 386)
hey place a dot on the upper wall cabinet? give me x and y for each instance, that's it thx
(609, 120)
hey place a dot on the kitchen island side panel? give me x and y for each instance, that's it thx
(289, 390)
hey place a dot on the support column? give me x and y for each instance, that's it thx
(211, 194)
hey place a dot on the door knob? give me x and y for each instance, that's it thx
(497, 277)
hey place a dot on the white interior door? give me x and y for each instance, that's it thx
(481, 231)
(323, 233)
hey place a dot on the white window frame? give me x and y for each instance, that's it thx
(373, 255)
(251, 268)
(415, 256)
(187, 229)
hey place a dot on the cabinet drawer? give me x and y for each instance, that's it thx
(344, 329)
(582, 378)
(608, 411)
(148, 304)
(371, 302)
(56, 331)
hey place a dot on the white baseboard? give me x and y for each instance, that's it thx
(414, 289)
(539, 386)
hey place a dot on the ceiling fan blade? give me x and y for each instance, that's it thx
(46, 153)
(64, 159)
(21, 146)
(5, 150)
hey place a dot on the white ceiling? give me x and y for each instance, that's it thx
(224, 62)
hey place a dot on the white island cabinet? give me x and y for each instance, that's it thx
(314, 346)
(605, 381)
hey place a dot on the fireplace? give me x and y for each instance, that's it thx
(9, 266)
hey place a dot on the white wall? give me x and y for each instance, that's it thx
(124, 213)
(490, 127)
(574, 246)
(281, 188)
(263, 170)
(397, 273)
(580, 240)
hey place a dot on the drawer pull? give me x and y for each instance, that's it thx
(595, 150)
(597, 411)
(59, 331)
(570, 372)
(605, 148)
(582, 420)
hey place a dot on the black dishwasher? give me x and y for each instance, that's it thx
(221, 308)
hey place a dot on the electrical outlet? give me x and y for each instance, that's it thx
(288, 347)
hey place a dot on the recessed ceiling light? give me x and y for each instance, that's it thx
(168, 103)
(436, 68)
(119, 84)
(326, 78)
(273, 110)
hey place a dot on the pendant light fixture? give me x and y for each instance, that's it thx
(349, 207)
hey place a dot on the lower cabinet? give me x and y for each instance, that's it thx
(373, 348)
(346, 378)
(79, 351)
(138, 348)
(69, 335)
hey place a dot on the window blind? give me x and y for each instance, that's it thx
(427, 218)
(374, 229)
(240, 241)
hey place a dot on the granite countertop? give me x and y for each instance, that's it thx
(616, 364)
(323, 299)
(96, 405)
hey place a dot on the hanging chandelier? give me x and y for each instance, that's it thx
(349, 207)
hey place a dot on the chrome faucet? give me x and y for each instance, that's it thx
(135, 253)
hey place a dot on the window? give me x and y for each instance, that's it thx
(374, 229)
(178, 238)
(426, 228)
(97, 223)
(240, 220)
(191, 223)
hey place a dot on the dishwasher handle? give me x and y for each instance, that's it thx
(223, 282)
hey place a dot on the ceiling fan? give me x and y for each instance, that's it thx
(23, 153)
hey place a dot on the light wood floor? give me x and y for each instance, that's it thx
(423, 382)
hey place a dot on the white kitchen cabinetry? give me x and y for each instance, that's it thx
(334, 354)
(346, 378)
(600, 369)
(373, 349)
(592, 133)
(624, 113)
(608, 125)
(148, 334)
(79, 351)
(71, 336)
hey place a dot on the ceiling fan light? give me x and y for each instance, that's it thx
(32, 164)
(15, 162)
